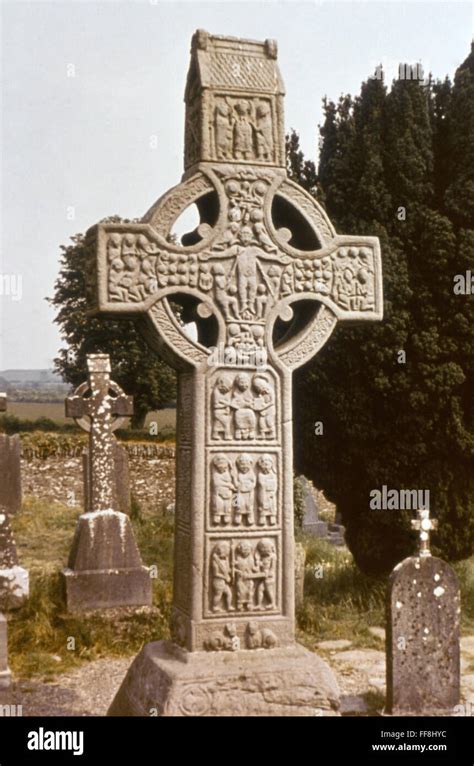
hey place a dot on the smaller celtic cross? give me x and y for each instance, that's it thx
(99, 406)
(424, 525)
(3, 402)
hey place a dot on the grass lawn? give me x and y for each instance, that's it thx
(340, 602)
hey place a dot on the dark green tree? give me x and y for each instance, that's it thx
(406, 425)
(135, 367)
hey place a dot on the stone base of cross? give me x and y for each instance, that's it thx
(104, 568)
(265, 278)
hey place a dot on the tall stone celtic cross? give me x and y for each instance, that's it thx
(99, 406)
(266, 279)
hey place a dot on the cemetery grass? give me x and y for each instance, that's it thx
(340, 602)
(44, 639)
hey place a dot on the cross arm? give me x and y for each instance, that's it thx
(123, 406)
(346, 275)
(77, 406)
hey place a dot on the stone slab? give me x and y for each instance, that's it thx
(316, 529)
(166, 681)
(86, 591)
(300, 560)
(5, 674)
(10, 472)
(14, 587)
(423, 647)
(105, 569)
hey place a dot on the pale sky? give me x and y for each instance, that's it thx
(75, 149)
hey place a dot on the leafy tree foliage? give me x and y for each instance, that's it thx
(135, 367)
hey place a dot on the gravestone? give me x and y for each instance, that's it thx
(423, 643)
(14, 579)
(300, 561)
(120, 479)
(311, 524)
(5, 673)
(10, 468)
(104, 568)
(265, 278)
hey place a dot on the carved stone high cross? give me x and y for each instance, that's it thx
(3, 402)
(99, 406)
(267, 278)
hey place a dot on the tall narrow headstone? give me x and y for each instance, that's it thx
(10, 468)
(423, 642)
(104, 568)
(266, 278)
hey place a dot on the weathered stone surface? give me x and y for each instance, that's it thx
(5, 674)
(300, 560)
(104, 568)
(263, 251)
(164, 680)
(353, 704)
(423, 654)
(10, 468)
(310, 517)
(120, 479)
(10, 473)
(14, 580)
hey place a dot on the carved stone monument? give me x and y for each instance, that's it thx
(265, 278)
(104, 567)
(10, 468)
(120, 479)
(423, 642)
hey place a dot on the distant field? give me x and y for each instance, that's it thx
(35, 410)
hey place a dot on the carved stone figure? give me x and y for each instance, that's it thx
(267, 483)
(264, 132)
(221, 408)
(245, 483)
(242, 403)
(243, 132)
(221, 578)
(223, 129)
(223, 487)
(264, 404)
(244, 569)
(265, 583)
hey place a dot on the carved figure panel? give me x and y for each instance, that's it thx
(242, 129)
(243, 490)
(243, 406)
(243, 575)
